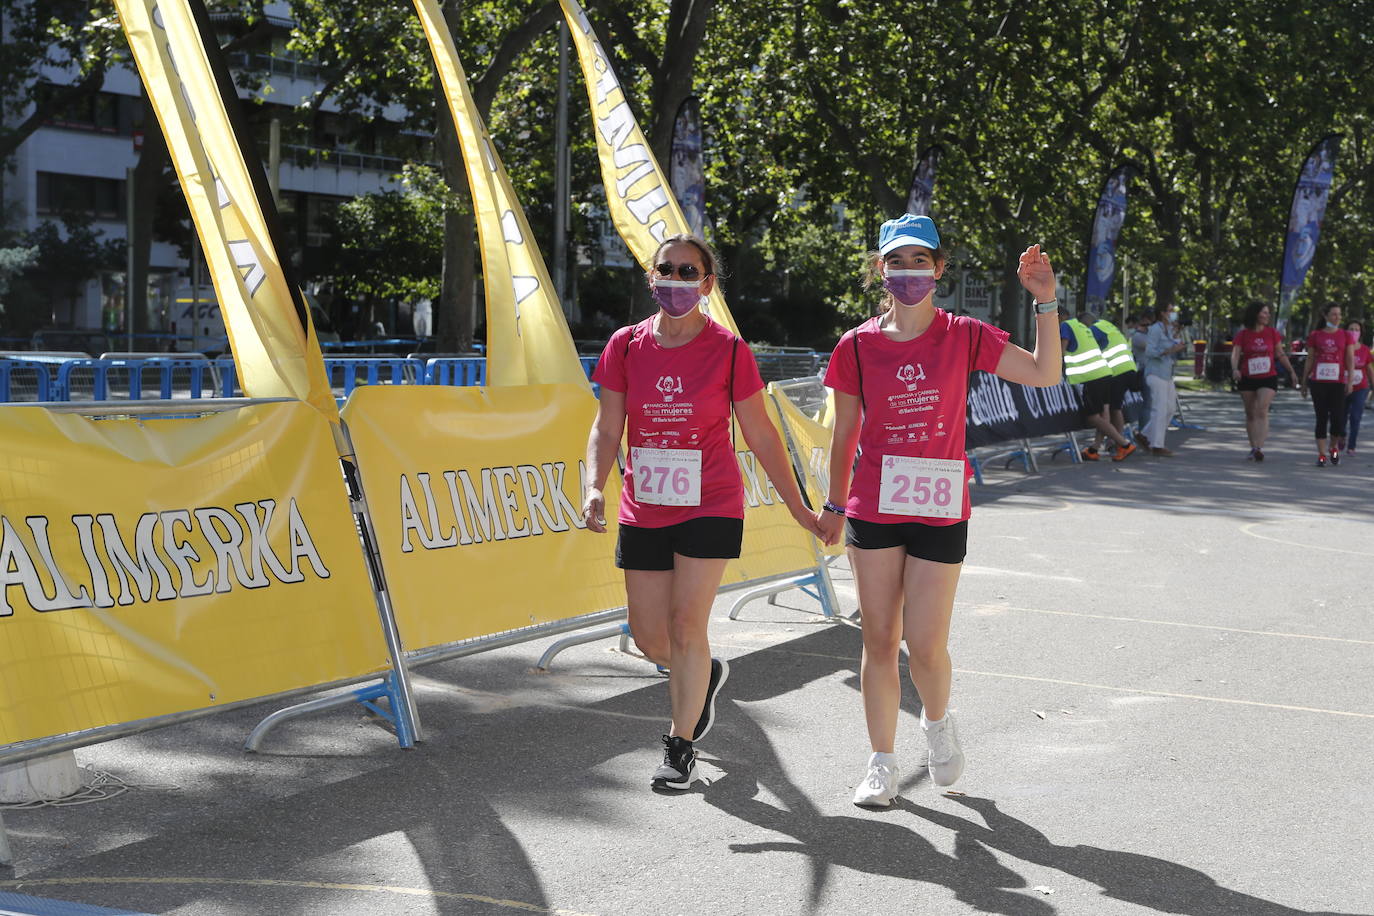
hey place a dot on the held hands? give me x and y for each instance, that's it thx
(594, 510)
(1036, 274)
(803, 517)
(829, 527)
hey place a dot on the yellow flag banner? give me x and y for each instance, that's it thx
(641, 202)
(158, 566)
(476, 498)
(275, 349)
(528, 341)
(809, 441)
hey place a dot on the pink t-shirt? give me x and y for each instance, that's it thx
(1362, 358)
(675, 398)
(915, 399)
(1264, 343)
(1327, 348)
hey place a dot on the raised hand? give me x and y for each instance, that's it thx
(1036, 274)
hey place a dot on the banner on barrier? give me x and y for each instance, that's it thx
(157, 566)
(1002, 411)
(810, 443)
(774, 543)
(476, 497)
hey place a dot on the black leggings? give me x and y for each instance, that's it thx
(1328, 400)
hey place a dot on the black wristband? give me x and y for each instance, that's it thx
(831, 507)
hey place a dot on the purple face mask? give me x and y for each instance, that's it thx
(909, 287)
(677, 297)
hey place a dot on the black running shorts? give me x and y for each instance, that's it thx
(707, 538)
(1096, 394)
(1121, 384)
(1255, 384)
(937, 543)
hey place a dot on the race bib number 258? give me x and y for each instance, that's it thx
(921, 487)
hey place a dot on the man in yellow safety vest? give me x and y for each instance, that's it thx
(1086, 364)
(1117, 353)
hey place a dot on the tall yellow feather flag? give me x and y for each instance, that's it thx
(275, 349)
(642, 204)
(528, 341)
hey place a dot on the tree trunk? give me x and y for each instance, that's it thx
(149, 178)
(455, 314)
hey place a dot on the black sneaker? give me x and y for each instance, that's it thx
(720, 670)
(1335, 456)
(679, 768)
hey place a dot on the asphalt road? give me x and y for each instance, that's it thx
(1163, 684)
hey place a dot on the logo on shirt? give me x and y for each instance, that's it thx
(669, 386)
(911, 375)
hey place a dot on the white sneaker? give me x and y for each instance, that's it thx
(946, 757)
(879, 785)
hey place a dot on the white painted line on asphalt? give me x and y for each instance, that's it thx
(1174, 623)
(992, 571)
(310, 885)
(1249, 529)
(1165, 693)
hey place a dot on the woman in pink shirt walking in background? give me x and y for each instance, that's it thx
(901, 395)
(1330, 359)
(674, 378)
(1361, 376)
(1256, 354)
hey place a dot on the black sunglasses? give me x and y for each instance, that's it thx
(686, 272)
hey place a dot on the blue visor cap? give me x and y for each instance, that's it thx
(908, 229)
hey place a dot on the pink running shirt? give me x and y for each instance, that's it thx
(1327, 349)
(1362, 358)
(1255, 348)
(675, 398)
(915, 399)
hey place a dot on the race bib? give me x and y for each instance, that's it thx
(667, 476)
(1328, 372)
(926, 487)
(1357, 377)
(1258, 365)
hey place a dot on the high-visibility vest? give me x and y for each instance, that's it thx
(1086, 362)
(1118, 352)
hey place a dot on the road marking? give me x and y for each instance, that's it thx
(1050, 680)
(1249, 529)
(992, 571)
(1175, 623)
(313, 885)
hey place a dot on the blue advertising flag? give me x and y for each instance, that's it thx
(1111, 213)
(686, 173)
(1305, 221)
(923, 182)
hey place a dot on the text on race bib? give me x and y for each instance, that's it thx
(666, 476)
(924, 487)
(1328, 372)
(1258, 365)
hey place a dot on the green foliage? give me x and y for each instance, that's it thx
(390, 245)
(59, 262)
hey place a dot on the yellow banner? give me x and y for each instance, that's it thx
(809, 441)
(155, 566)
(274, 344)
(528, 341)
(641, 202)
(476, 498)
(773, 541)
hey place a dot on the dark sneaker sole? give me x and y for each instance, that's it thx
(708, 718)
(676, 782)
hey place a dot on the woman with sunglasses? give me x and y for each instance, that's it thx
(674, 378)
(901, 394)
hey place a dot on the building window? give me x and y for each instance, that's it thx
(98, 198)
(101, 112)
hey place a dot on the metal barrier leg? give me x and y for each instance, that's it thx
(977, 469)
(567, 642)
(1032, 466)
(6, 853)
(773, 588)
(259, 732)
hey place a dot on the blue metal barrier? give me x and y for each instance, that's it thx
(347, 373)
(100, 379)
(30, 374)
(460, 371)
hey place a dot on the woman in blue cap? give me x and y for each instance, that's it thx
(901, 392)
